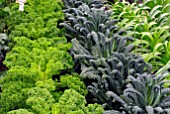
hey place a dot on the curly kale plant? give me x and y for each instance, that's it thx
(40, 99)
(20, 111)
(48, 56)
(4, 12)
(12, 86)
(74, 82)
(31, 61)
(23, 89)
(32, 66)
(69, 105)
(39, 19)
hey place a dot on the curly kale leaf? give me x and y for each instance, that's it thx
(41, 55)
(42, 97)
(20, 111)
(23, 90)
(21, 87)
(12, 85)
(39, 100)
(39, 19)
(72, 82)
(71, 102)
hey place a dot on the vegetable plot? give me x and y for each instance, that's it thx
(84, 57)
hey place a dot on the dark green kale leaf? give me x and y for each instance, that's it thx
(144, 95)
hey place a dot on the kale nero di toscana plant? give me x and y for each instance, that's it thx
(76, 3)
(3, 49)
(83, 20)
(143, 95)
(108, 66)
(92, 26)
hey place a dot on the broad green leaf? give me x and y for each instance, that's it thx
(122, 14)
(7, 9)
(157, 12)
(146, 8)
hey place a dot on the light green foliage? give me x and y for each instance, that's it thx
(20, 111)
(159, 10)
(165, 71)
(32, 65)
(47, 84)
(71, 102)
(149, 34)
(124, 9)
(153, 46)
(94, 109)
(46, 56)
(21, 89)
(72, 82)
(39, 19)
(40, 100)
(13, 83)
